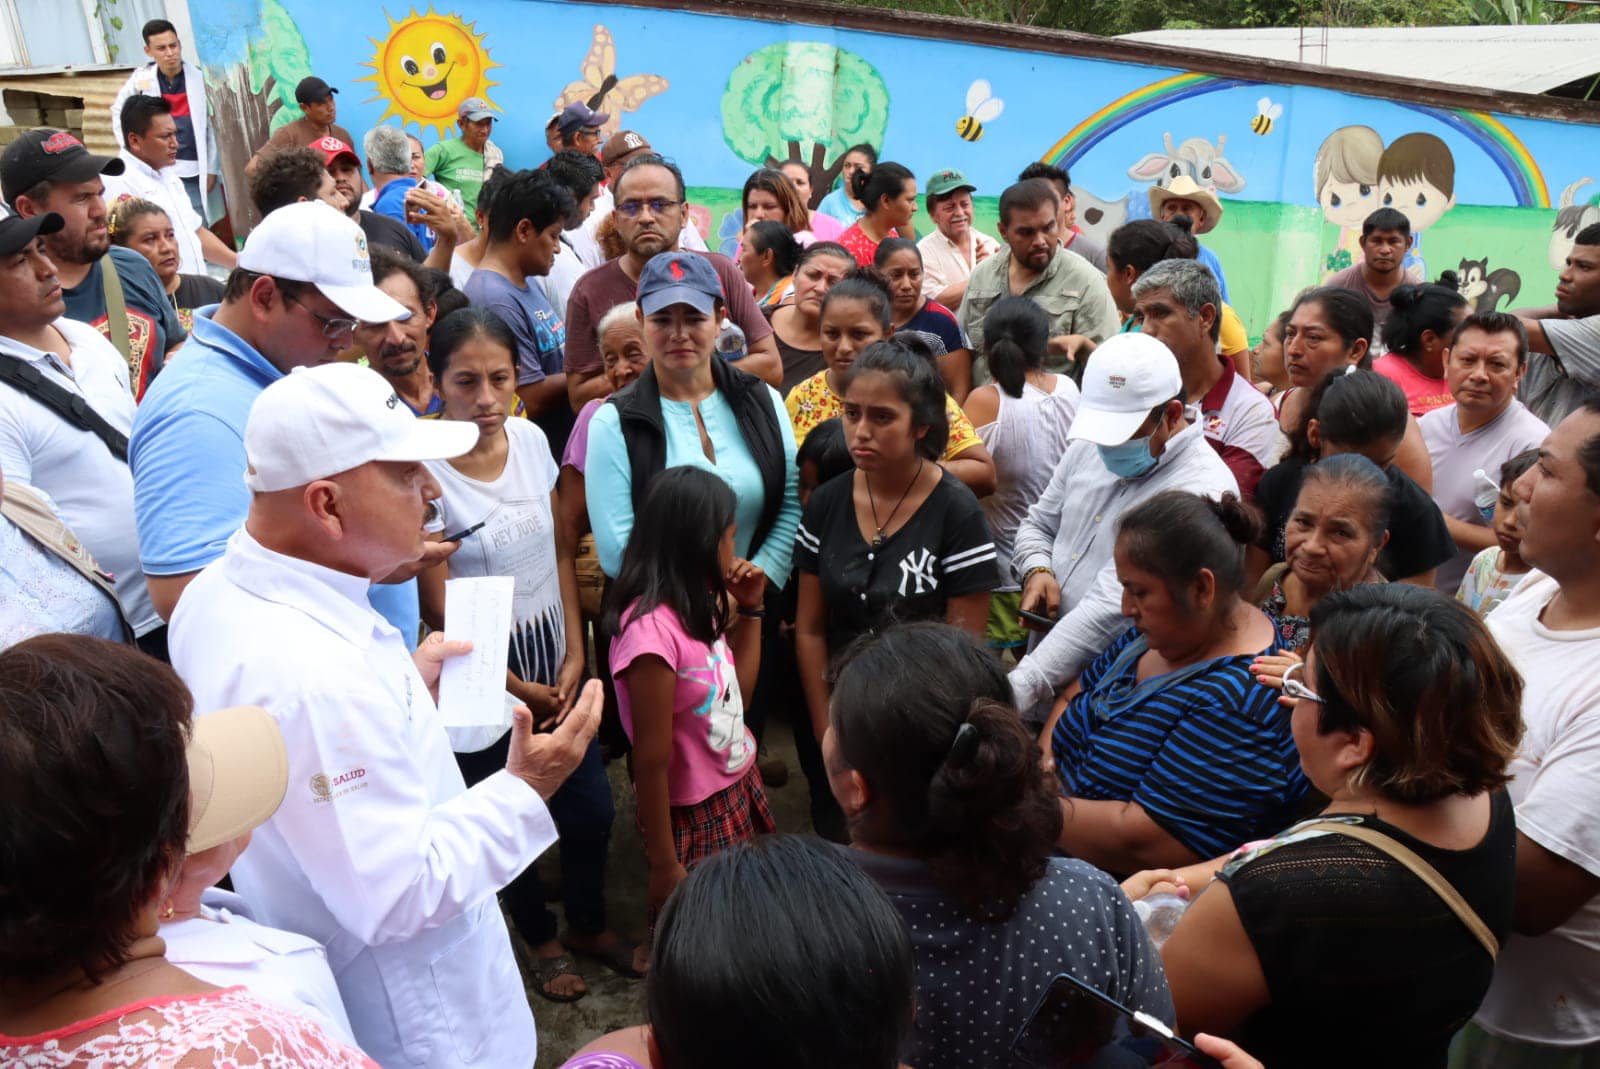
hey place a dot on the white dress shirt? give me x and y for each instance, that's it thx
(225, 946)
(164, 189)
(146, 80)
(379, 851)
(1072, 529)
(92, 490)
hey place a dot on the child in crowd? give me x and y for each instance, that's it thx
(821, 456)
(687, 618)
(1496, 570)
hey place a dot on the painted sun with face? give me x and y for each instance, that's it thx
(426, 66)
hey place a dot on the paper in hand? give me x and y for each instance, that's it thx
(472, 687)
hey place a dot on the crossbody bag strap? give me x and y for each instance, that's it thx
(31, 382)
(117, 312)
(1419, 868)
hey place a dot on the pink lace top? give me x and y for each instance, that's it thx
(221, 1028)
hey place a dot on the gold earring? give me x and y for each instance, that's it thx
(169, 912)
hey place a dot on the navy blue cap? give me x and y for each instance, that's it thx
(671, 278)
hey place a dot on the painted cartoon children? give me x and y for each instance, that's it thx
(1346, 179)
(1417, 176)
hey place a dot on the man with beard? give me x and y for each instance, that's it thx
(398, 349)
(50, 171)
(650, 212)
(1385, 239)
(1034, 265)
(1072, 237)
(382, 232)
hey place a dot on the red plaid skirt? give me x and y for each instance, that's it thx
(732, 815)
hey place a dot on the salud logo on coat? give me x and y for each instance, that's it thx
(326, 788)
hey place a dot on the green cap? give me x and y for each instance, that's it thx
(944, 182)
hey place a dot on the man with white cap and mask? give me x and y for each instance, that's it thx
(303, 283)
(1130, 440)
(379, 851)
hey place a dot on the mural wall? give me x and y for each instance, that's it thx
(1495, 197)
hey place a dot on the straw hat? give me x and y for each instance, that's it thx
(1184, 188)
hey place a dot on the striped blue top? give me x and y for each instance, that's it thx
(1205, 750)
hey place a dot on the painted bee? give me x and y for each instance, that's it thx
(982, 106)
(1266, 114)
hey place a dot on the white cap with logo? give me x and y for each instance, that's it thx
(312, 242)
(1126, 377)
(316, 422)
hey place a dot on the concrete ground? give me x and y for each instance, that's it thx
(614, 1001)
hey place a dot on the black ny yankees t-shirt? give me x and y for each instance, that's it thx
(944, 551)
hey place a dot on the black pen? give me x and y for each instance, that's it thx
(459, 535)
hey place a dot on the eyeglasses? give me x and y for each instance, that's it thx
(332, 327)
(1296, 689)
(657, 206)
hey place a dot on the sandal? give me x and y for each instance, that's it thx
(618, 957)
(548, 969)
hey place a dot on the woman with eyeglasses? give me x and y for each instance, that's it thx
(1388, 907)
(1167, 748)
(502, 494)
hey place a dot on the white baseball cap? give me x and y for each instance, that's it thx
(1127, 376)
(313, 242)
(320, 421)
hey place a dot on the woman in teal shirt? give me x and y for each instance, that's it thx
(691, 406)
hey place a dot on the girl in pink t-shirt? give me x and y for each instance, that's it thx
(687, 615)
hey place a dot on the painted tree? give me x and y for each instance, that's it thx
(804, 101)
(278, 60)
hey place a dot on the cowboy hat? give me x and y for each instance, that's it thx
(1184, 188)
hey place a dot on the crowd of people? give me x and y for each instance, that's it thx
(1237, 683)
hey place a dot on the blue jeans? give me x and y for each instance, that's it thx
(583, 812)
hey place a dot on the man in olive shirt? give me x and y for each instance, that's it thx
(1033, 264)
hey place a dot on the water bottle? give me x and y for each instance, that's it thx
(1485, 494)
(1160, 915)
(730, 341)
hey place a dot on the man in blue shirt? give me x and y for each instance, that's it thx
(525, 224)
(389, 162)
(303, 283)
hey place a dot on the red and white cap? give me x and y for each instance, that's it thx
(312, 242)
(316, 422)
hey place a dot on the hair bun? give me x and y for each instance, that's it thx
(1242, 521)
(1182, 222)
(1449, 279)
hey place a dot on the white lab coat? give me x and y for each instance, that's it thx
(144, 81)
(379, 851)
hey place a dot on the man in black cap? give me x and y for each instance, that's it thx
(319, 110)
(65, 412)
(50, 171)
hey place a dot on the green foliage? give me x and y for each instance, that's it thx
(1111, 17)
(805, 96)
(279, 52)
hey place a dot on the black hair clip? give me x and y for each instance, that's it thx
(965, 744)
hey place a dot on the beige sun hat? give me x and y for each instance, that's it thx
(1184, 188)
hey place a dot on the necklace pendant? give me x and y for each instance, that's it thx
(877, 543)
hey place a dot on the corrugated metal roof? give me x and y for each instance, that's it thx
(96, 87)
(1520, 59)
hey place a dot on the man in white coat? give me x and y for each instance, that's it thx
(378, 851)
(184, 87)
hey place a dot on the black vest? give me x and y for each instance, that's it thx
(644, 433)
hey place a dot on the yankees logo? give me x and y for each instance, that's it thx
(918, 567)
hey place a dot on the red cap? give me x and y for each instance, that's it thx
(332, 148)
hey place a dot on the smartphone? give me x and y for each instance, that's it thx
(1045, 622)
(459, 535)
(1073, 1026)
